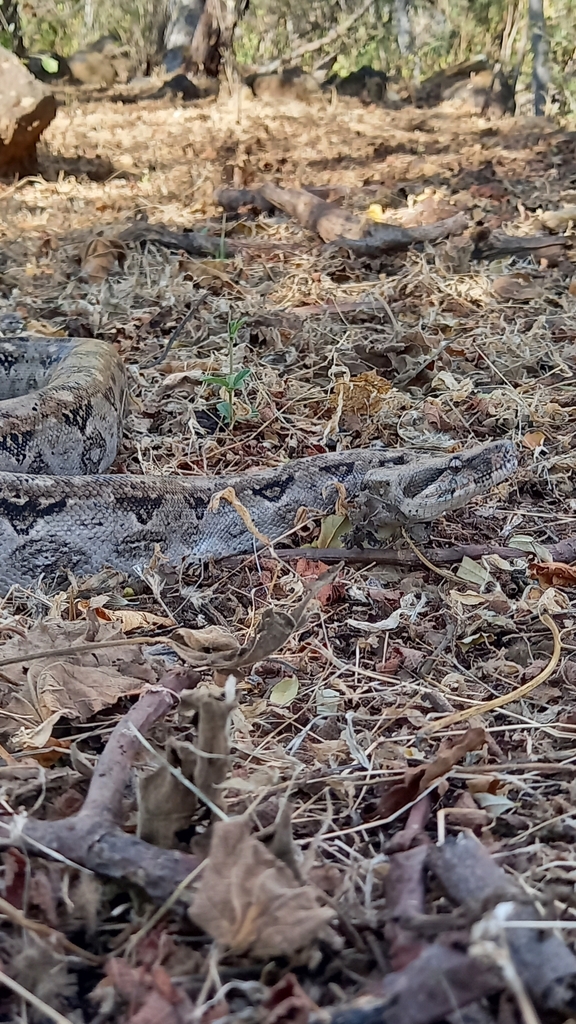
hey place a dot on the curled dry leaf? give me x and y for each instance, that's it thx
(417, 780)
(273, 630)
(165, 805)
(363, 394)
(308, 569)
(555, 220)
(287, 1003)
(151, 995)
(129, 618)
(213, 738)
(554, 574)
(534, 439)
(212, 640)
(99, 257)
(250, 902)
(229, 494)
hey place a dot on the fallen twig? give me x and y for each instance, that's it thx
(93, 838)
(545, 964)
(361, 236)
(564, 551)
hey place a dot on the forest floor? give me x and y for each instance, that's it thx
(343, 766)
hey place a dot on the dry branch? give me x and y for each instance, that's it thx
(362, 237)
(564, 551)
(545, 964)
(92, 838)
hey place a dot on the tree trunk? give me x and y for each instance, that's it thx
(540, 74)
(11, 24)
(197, 33)
(403, 27)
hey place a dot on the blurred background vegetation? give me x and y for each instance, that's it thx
(411, 38)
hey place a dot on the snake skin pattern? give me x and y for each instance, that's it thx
(78, 520)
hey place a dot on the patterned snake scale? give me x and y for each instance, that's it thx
(62, 405)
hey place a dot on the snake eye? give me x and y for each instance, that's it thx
(455, 464)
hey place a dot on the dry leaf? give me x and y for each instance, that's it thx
(213, 738)
(555, 220)
(287, 1003)
(229, 494)
(285, 691)
(71, 686)
(210, 273)
(129, 618)
(307, 569)
(515, 288)
(151, 996)
(99, 257)
(472, 572)
(363, 395)
(165, 805)
(554, 574)
(534, 440)
(210, 640)
(273, 630)
(417, 780)
(250, 902)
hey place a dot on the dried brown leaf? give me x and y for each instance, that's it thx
(534, 439)
(513, 288)
(287, 1003)
(71, 686)
(99, 257)
(417, 780)
(213, 739)
(165, 805)
(250, 902)
(554, 574)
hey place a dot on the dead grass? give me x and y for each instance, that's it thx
(476, 366)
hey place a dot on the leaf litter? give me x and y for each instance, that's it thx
(348, 766)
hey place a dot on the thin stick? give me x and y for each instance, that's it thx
(82, 649)
(54, 937)
(173, 337)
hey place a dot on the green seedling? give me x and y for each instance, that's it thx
(233, 380)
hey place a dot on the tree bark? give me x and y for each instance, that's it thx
(11, 24)
(540, 74)
(198, 33)
(403, 27)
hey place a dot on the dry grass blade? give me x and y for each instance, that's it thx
(54, 937)
(507, 698)
(29, 997)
